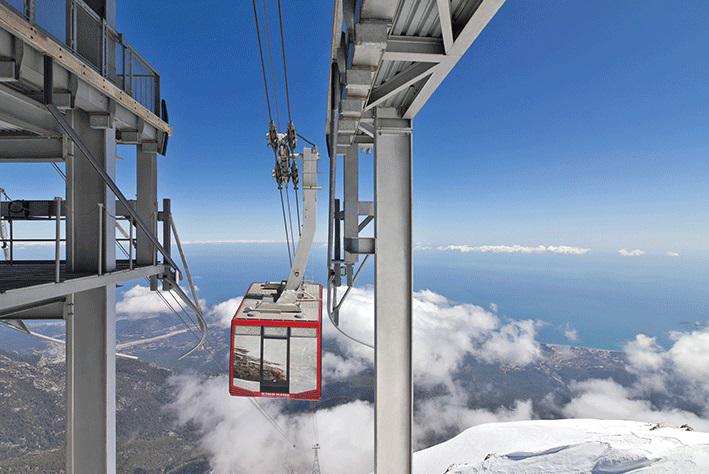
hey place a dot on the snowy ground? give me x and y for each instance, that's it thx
(568, 446)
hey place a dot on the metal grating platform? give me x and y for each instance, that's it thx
(21, 274)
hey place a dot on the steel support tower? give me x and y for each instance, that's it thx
(76, 65)
(388, 57)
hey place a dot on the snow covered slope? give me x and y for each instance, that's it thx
(568, 446)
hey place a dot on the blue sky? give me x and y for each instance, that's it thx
(567, 122)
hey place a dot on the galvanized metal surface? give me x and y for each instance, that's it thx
(395, 55)
(305, 242)
(388, 58)
(308, 301)
(393, 296)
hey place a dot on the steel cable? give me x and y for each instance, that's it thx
(269, 49)
(297, 212)
(290, 220)
(167, 303)
(285, 226)
(58, 170)
(272, 421)
(263, 64)
(283, 55)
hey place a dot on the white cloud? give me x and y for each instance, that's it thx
(444, 334)
(606, 399)
(672, 254)
(512, 344)
(238, 438)
(570, 333)
(682, 373)
(225, 311)
(338, 367)
(645, 359)
(686, 362)
(690, 356)
(631, 253)
(644, 354)
(446, 414)
(523, 249)
(141, 302)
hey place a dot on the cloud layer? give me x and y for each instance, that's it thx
(238, 437)
(664, 377)
(445, 334)
(523, 249)
(631, 253)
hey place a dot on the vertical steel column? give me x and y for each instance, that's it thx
(85, 191)
(393, 293)
(167, 239)
(147, 200)
(57, 238)
(351, 191)
(90, 326)
(337, 277)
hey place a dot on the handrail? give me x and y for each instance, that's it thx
(121, 60)
(108, 181)
(198, 311)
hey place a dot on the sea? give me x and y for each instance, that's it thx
(606, 298)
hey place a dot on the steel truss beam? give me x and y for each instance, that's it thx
(398, 83)
(28, 149)
(415, 49)
(32, 294)
(370, 47)
(472, 29)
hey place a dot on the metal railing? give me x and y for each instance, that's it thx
(125, 243)
(76, 25)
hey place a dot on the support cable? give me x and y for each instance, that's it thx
(167, 303)
(285, 226)
(269, 49)
(167, 259)
(290, 220)
(297, 213)
(190, 327)
(306, 140)
(58, 170)
(354, 280)
(337, 307)
(283, 55)
(263, 64)
(272, 421)
(185, 265)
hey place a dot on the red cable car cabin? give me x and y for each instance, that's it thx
(275, 347)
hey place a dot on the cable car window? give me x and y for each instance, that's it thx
(248, 330)
(304, 332)
(304, 360)
(274, 372)
(247, 357)
(275, 331)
